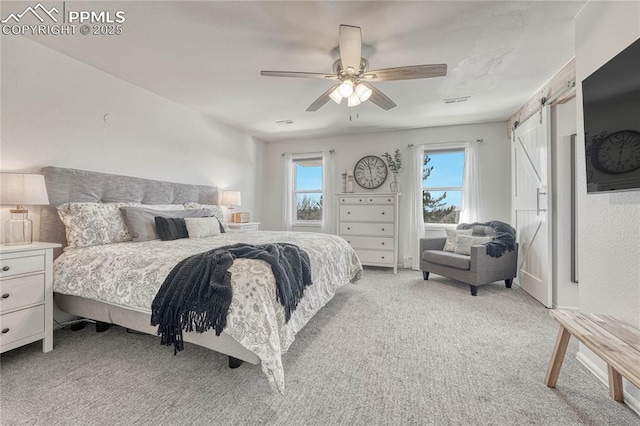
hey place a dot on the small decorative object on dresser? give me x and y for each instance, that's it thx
(246, 226)
(395, 164)
(369, 223)
(26, 303)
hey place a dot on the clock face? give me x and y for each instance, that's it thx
(370, 172)
(618, 153)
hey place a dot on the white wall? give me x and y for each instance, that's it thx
(609, 224)
(61, 112)
(563, 125)
(493, 155)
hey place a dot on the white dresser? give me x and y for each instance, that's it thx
(369, 222)
(26, 295)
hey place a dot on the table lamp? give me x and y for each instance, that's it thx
(231, 199)
(21, 189)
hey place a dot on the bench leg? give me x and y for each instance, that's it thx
(562, 341)
(615, 384)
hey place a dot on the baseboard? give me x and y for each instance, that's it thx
(602, 375)
(565, 308)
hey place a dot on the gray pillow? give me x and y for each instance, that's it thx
(141, 221)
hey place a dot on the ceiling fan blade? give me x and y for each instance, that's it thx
(350, 48)
(407, 73)
(323, 99)
(379, 98)
(298, 74)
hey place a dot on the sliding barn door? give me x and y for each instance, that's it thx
(531, 205)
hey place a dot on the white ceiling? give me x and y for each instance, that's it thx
(208, 56)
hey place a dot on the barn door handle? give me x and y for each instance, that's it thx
(538, 194)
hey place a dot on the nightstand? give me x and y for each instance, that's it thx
(26, 295)
(247, 226)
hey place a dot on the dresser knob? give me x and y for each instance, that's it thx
(382, 243)
(5, 268)
(6, 296)
(348, 212)
(5, 330)
(383, 229)
(383, 213)
(383, 257)
(348, 229)
(389, 199)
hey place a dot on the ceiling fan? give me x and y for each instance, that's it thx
(351, 71)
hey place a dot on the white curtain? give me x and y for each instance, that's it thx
(415, 218)
(471, 210)
(328, 207)
(287, 192)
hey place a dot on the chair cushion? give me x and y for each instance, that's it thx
(445, 258)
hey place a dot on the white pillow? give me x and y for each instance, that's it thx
(92, 224)
(215, 211)
(464, 243)
(450, 244)
(202, 227)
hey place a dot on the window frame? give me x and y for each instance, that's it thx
(429, 152)
(294, 192)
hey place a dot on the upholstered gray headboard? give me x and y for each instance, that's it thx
(65, 185)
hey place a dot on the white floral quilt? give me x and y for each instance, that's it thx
(129, 274)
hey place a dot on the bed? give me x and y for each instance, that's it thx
(116, 283)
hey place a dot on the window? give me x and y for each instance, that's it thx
(442, 185)
(307, 189)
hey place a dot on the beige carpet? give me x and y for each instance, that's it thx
(392, 350)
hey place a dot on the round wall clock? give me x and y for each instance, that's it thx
(618, 152)
(370, 172)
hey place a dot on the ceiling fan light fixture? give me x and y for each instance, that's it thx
(363, 92)
(336, 96)
(353, 100)
(346, 88)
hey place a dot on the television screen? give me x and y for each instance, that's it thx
(611, 104)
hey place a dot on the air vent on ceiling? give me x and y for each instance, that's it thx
(456, 100)
(284, 122)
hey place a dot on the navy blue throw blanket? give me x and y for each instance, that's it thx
(197, 292)
(504, 239)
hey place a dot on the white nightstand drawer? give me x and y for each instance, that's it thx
(23, 291)
(377, 257)
(373, 229)
(21, 265)
(21, 324)
(370, 242)
(370, 213)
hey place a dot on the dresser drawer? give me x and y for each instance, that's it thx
(21, 324)
(367, 229)
(353, 200)
(21, 265)
(367, 213)
(375, 257)
(23, 291)
(380, 200)
(370, 242)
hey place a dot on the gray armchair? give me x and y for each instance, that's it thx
(476, 269)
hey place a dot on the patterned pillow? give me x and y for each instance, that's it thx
(202, 227)
(215, 211)
(92, 224)
(464, 243)
(450, 244)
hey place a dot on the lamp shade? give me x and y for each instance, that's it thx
(231, 198)
(23, 188)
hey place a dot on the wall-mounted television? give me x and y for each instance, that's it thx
(611, 105)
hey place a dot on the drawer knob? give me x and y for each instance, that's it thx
(383, 229)
(348, 212)
(5, 330)
(389, 199)
(360, 200)
(5, 268)
(348, 229)
(382, 243)
(6, 296)
(383, 257)
(382, 212)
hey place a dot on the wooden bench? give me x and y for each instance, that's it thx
(617, 343)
